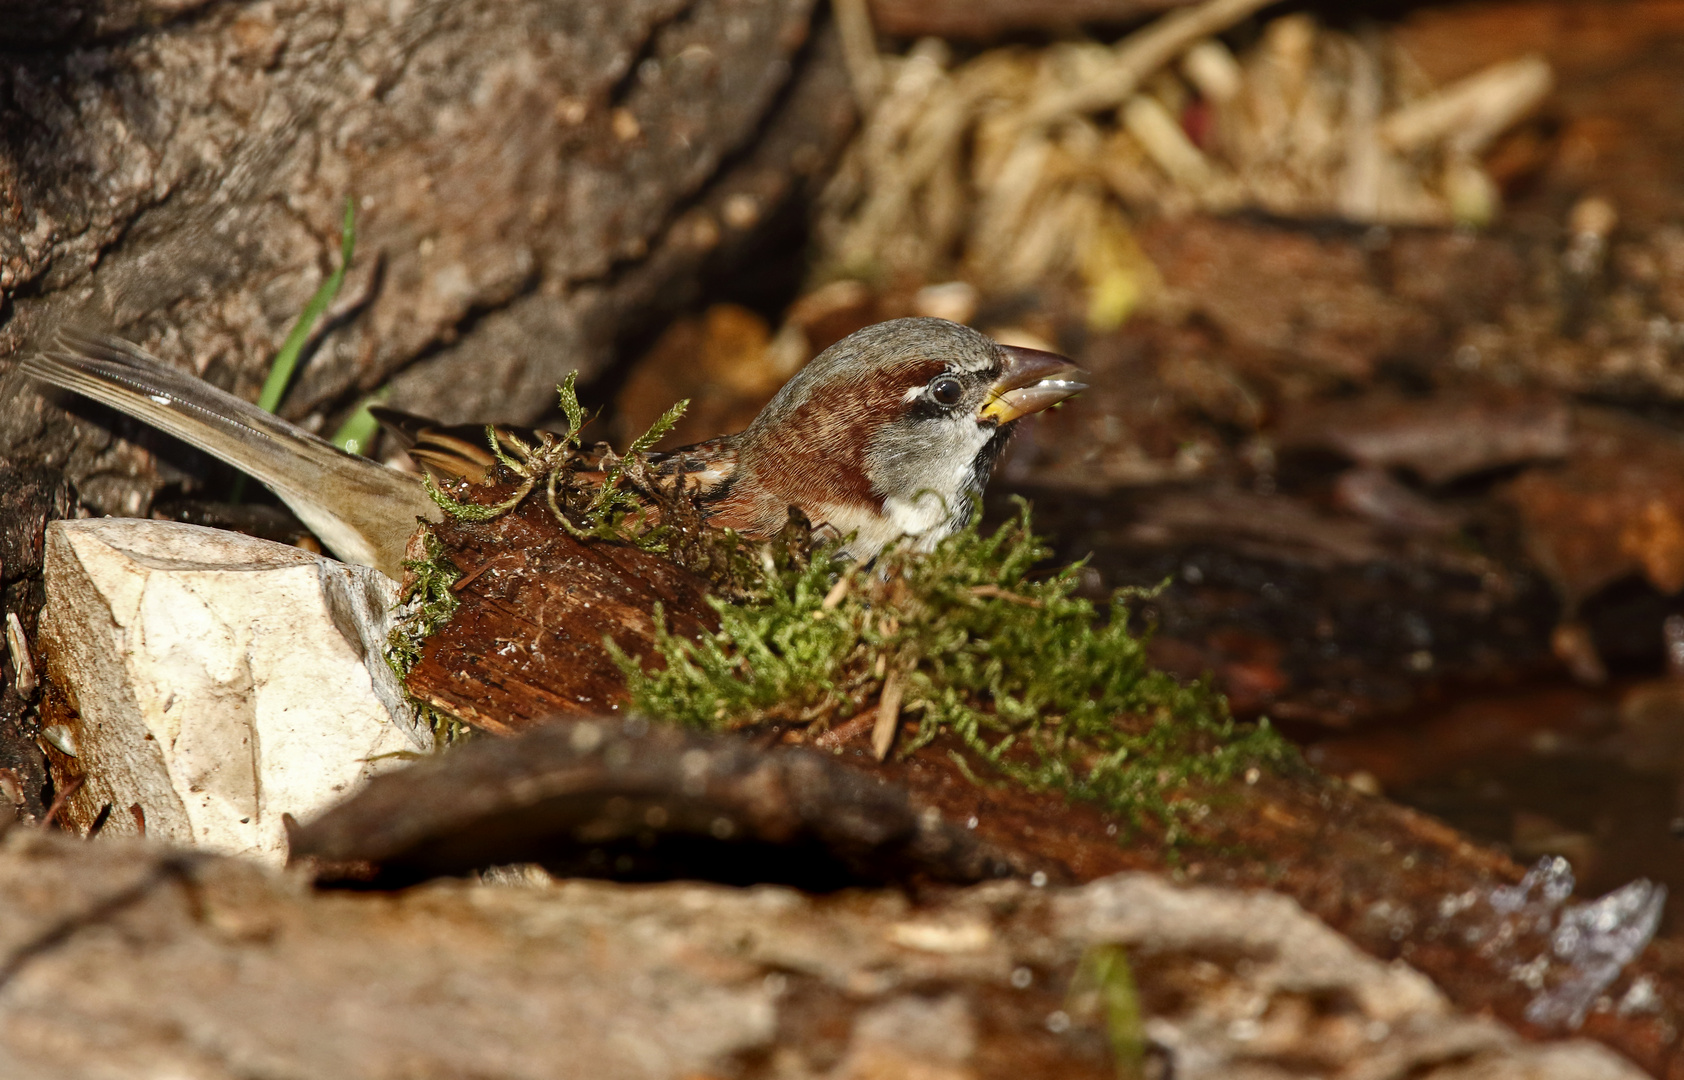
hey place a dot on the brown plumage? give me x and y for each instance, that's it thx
(889, 433)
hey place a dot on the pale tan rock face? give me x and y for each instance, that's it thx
(218, 681)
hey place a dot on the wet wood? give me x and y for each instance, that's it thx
(526, 645)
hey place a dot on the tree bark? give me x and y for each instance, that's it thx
(529, 180)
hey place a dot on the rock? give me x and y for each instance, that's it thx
(588, 979)
(212, 680)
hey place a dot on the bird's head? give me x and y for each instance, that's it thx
(893, 430)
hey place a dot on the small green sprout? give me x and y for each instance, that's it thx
(1103, 989)
(357, 433)
(286, 361)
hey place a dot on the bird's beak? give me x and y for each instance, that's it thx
(1033, 380)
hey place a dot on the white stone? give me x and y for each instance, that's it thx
(220, 681)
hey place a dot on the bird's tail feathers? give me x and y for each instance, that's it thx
(358, 507)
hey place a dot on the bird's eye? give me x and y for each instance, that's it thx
(946, 390)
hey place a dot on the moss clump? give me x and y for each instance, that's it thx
(430, 603)
(593, 492)
(595, 495)
(1045, 689)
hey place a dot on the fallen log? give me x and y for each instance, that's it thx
(120, 958)
(628, 799)
(534, 607)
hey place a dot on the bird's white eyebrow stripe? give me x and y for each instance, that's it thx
(912, 393)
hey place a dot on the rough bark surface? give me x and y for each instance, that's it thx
(526, 644)
(605, 796)
(528, 177)
(29, 498)
(120, 958)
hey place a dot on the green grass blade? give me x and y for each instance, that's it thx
(286, 361)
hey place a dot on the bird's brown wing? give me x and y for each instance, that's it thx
(454, 451)
(463, 451)
(709, 468)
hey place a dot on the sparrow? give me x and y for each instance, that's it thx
(890, 433)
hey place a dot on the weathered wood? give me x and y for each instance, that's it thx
(125, 959)
(526, 645)
(599, 797)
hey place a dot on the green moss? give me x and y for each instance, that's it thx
(1043, 688)
(596, 495)
(593, 492)
(1040, 687)
(430, 602)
